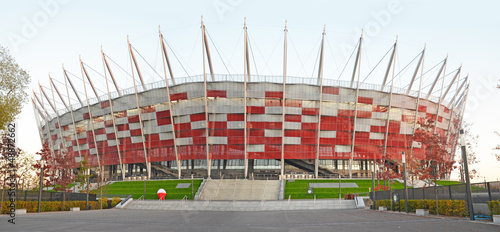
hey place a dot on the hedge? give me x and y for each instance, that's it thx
(494, 207)
(47, 206)
(446, 207)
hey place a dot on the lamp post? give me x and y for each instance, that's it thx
(467, 180)
(42, 162)
(404, 178)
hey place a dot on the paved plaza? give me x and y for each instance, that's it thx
(301, 220)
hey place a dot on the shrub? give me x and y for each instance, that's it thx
(115, 201)
(446, 207)
(47, 206)
(494, 207)
(104, 201)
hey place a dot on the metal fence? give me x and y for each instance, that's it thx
(53, 196)
(481, 192)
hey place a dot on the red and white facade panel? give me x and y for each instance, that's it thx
(380, 119)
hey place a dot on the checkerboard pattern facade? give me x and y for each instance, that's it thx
(376, 119)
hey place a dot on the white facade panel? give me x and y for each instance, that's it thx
(328, 134)
(377, 135)
(291, 140)
(256, 148)
(342, 148)
(273, 133)
(293, 125)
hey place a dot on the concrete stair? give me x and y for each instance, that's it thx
(183, 206)
(234, 189)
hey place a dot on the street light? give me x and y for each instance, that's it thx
(404, 177)
(467, 180)
(42, 162)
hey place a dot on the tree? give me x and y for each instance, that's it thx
(64, 172)
(82, 176)
(48, 164)
(471, 144)
(13, 82)
(435, 165)
(27, 177)
(6, 145)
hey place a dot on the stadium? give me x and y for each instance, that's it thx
(247, 125)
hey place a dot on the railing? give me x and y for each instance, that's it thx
(124, 201)
(141, 198)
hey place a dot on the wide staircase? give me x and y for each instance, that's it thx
(240, 189)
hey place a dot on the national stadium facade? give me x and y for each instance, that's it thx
(244, 125)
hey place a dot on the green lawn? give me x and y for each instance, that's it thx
(447, 182)
(136, 188)
(298, 188)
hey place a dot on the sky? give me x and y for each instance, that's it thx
(44, 35)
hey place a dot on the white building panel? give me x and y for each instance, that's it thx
(167, 136)
(217, 140)
(217, 117)
(151, 130)
(110, 130)
(416, 144)
(309, 118)
(101, 137)
(331, 97)
(136, 139)
(273, 133)
(132, 112)
(310, 104)
(256, 148)
(293, 125)
(121, 121)
(264, 118)
(112, 142)
(93, 151)
(381, 101)
(328, 134)
(345, 106)
(84, 146)
(182, 119)
(274, 110)
(406, 128)
(363, 124)
(371, 94)
(162, 107)
(184, 141)
(148, 116)
(256, 102)
(235, 125)
(123, 134)
(377, 122)
(395, 114)
(364, 107)
(293, 110)
(377, 135)
(165, 128)
(379, 115)
(134, 126)
(198, 125)
(342, 148)
(291, 140)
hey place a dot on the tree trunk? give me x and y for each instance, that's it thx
(436, 193)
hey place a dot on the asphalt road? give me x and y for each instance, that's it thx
(305, 220)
